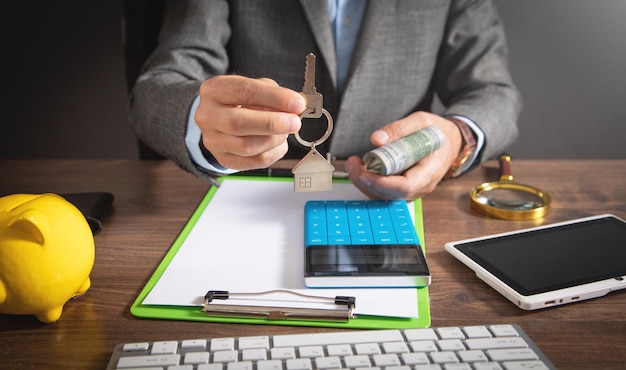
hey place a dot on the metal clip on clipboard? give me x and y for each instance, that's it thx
(279, 313)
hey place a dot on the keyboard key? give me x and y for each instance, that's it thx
(504, 331)
(270, 365)
(473, 356)
(367, 348)
(210, 367)
(311, 351)
(328, 362)
(254, 342)
(357, 361)
(135, 347)
(283, 353)
(225, 356)
(255, 354)
(244, 365)
(477, 332)
(395, 347)
(145, 361)
(420, 334)
(525, 365)
(424, 346)
(196, 358)
(193, 344)
(339, 350)
(386, 360)
(428, 367)
(444, 357)
(486, 343)
(415, 358)
(299, 364)
(222, 344)
(458, 366)
(451, 345)
(164, 348)
(450, 333)
(487, 366)
(512, 354)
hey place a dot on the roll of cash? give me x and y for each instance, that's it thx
(398, 156)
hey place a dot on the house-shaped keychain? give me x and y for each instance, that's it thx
(313, 173)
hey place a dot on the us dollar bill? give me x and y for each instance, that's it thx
(398, 156)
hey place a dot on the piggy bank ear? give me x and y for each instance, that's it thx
(30, 223)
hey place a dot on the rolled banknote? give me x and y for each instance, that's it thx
(398, 156)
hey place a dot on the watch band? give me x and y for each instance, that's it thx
(468, 147)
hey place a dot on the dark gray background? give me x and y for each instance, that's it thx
(64, 88)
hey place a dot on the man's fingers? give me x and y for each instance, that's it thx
(242, 91)
(247, 157)
(239, 121)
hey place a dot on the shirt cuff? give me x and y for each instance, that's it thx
(193, 141)
(480, 142)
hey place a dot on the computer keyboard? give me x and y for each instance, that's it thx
(471, 347)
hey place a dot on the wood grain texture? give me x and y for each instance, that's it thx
(154, 199)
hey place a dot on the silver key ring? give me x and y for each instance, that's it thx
(324, 137)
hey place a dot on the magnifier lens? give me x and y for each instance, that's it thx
(510, 199)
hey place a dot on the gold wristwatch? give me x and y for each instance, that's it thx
(468, 147)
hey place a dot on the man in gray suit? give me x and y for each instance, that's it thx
(220, 93)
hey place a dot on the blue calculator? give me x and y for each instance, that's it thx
(362, 243)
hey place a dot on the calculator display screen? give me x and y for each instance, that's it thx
(365, 260)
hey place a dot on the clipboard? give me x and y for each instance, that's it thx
(196, 313)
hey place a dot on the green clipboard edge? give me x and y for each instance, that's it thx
(188, 313)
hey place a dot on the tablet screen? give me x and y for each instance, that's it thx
(543, 260)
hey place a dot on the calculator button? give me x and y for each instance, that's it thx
(318, 240)
(408, 240)
(338, 240)
(316, 230)
(338, 229)
(362, 240)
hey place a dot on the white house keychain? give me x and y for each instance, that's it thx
(313, 172)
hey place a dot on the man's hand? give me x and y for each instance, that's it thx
(245, 122)
(417, 180)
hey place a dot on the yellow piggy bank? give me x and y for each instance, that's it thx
(46, 254)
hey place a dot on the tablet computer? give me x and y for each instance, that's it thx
(553, 264)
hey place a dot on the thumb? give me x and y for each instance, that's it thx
(380, 137)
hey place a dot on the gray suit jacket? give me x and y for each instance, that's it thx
(407, 53)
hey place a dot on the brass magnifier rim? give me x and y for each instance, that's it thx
(506, 182)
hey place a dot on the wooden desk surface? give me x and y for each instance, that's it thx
(153, 200)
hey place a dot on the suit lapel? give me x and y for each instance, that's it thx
(317, 15)
(375, 13)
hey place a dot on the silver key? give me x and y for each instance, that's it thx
(313, 172)
(314, 100)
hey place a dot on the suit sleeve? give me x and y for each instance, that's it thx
(191, 49)
(472, 76)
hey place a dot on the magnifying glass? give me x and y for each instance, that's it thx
(507, 199)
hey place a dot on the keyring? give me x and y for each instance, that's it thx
(329, 130)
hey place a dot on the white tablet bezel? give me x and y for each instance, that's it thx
(542, 300)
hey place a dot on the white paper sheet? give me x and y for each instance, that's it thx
(250, 239)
